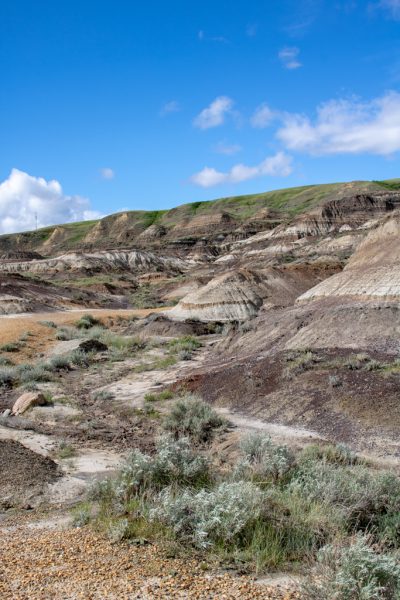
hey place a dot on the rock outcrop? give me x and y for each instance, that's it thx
(230, 297)
(133, 261)
(26, 401)
(373, 272)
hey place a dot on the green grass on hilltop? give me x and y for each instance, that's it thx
(286, 204)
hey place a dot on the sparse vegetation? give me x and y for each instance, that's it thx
(270, 509)
(67, 333)
(87, 322)
(10, 347)
(49, 324)
(158, 396)
(193, 418)
(65, 451)
(187, 343)
(354, 571)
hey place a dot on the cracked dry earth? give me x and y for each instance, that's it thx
(41, 563)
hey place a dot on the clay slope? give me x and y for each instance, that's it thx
(19, 295)
(373, 272)
(217, 221)
(130, 260)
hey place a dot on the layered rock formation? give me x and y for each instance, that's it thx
(373, 272)
(133, 261)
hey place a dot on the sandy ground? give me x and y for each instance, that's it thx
(41, 340)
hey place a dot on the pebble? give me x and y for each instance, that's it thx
(80, 564)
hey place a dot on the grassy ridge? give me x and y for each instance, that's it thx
(285, 203)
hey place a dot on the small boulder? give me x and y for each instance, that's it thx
(7, 412)
(92, 346)
(28, 400)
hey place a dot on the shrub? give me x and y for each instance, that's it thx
(7, 376)
(174, 463)
(263, 459)
(67, 333)
(117, 530)
(156, 397)
(79, 358)
(122, 342)
(209, 517)
(362, 496)
(60, 363)
(5, 361)
(65, 450)
(300, 362)
(353, 572)
(10, 347)
(96, 332)
(193, 418)
(33, 373)
(86, 322)
(186, 343)
(81, 515)
(50, 324)
(185, 355)
(337, 454)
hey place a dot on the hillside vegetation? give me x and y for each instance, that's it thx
(121, 229)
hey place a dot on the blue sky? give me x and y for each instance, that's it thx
(145, 105)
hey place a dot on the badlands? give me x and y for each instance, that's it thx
(210, 397)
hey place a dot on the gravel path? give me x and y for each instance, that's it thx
(39, 564)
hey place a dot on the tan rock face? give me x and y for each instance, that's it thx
(373, 272)
(129, 260)
(232, 296)
(28, 400)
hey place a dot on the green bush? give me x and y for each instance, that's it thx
(353, 572)
(49, 324)
(60, 363)
(362, 496)
(157, 396)
(337, 454)
(211, 517)
(78, 358)
(7, 376)
(10, 347)
(65, 334)
(5, 361)
(191, 417)
(34, 373)
(263, 459)
(186, 343)
(86, 322)
(173, 463)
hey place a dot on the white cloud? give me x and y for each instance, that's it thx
(279, 165)
(346, 127)
(228, 149)
(262, 116)
(170, 107)
(107, 173)
(214, 115)
(289, 57)
(22, 197)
